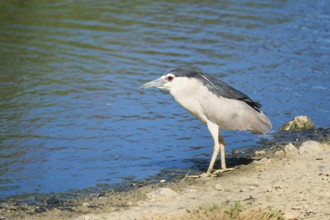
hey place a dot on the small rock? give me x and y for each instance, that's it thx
(310, 147)
(218, 187)
(235, 152)
(296, 208)
(298, 123)
(40, 209)
(252, 187)
(87, 217)
(279, 153)
(161, 194)
(290, 150)
(263, 160)
(277, 186)
(291, 215)
(259, 152)
(191, 190)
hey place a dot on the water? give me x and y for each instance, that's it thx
(70, 113)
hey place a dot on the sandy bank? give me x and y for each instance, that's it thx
(298, 183)
(293, 181)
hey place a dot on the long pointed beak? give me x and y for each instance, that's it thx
(157, 83)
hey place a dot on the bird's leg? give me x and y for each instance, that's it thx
(214, 130)
(214, 157)
(223, 156)
(219, 145)
(222, 152)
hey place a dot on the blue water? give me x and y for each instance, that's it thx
(71, 115)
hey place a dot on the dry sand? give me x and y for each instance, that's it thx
(295, 183)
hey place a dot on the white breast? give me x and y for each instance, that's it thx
(188, 92)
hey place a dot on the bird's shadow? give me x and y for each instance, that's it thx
(247, 155)
(200, 165)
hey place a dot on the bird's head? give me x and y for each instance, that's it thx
(171, 79)
(166, 81)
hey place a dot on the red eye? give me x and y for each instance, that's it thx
(170, 78)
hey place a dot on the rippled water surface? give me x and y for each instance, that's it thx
(71, 115)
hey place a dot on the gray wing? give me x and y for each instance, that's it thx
(221, 88)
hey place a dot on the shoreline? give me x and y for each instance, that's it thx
(294, 184)
(247, 184)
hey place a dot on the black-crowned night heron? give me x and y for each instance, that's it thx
(215, 103)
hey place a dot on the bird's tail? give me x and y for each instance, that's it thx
(262, 124)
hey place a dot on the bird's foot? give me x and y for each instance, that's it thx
(209, 174)
(223, 170)
(214, 173)
(199, 175)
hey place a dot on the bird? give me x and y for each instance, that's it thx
(215, 103)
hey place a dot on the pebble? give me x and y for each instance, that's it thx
(161, 194)
(310, 147)
(296, 208)
(259, 152)
(291, 215)
(279, 153)
(190, 190)
(218, 187)
(277, 187)
(86, 217)
(235, 152)
(290, 150)
(39, 209)
(262, 161)
(255, 184)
